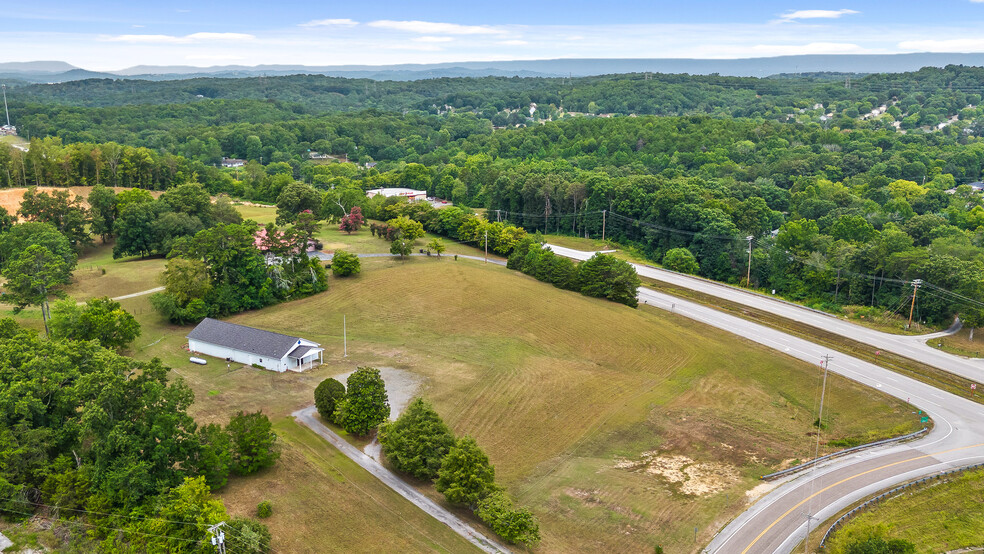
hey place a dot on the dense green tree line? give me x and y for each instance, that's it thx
(92, 436)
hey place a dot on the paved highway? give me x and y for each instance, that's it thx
(909, 346)
(778, 521)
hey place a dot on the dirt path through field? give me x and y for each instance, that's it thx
(401, 387)
(309, 417)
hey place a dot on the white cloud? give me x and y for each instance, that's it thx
(432, 39)
(514, 42)
(815, 14)
(171, 39)
(432, 27)
(330, 23)
(948, 45)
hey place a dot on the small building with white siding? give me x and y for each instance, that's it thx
(246, 345)
(410, 194)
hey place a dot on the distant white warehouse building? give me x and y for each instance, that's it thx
(246, 345)
(410, 194)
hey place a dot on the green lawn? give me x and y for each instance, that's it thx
(579, 402)
(939, 517)
(362, 242)
(960, 343)
(558, 388)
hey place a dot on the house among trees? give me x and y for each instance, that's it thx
(246, 345)
(409, 194)
(233, 162)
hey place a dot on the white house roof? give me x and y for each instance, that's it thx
(398, 191)
(245, 339)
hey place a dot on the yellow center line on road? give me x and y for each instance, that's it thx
(805, 500)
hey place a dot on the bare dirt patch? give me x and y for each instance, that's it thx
(11, 198)
(690, 477)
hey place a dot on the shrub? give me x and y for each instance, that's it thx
(344, 264)
(254, 444)
(264, 509)
(878, 545)
(516, 525)
(417, 441)
(326, 397)
(682, 260)
(466, 476)
(247, 536)
(606, 276)
(214, 456)
(365, 404)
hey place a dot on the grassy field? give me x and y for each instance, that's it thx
(362, 242)
(98, 274)
(583, 405)
(620, 428)
(939, 517)
(926, 373)
(960, 343)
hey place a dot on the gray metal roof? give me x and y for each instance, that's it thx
(246, 339)
(300, 351)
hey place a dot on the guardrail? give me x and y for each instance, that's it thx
(888, 494)
(844, 452)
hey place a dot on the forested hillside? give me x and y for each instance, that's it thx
(142, 109)
(842, 208)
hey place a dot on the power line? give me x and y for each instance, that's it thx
(106, 527)
(104, 514)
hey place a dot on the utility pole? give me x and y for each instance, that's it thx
(218, 536)
(344, 337)
(748, 275)
(806, 541)
(486, 245)
(603, 220)
(912, 307)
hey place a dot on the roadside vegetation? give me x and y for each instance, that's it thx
(942, 516)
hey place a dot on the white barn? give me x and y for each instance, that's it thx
(250, 346)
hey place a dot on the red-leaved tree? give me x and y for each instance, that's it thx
(353, 221)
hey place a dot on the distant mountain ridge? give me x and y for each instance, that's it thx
(55, 71)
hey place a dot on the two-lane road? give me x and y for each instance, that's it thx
(779, 521)
(908, 346)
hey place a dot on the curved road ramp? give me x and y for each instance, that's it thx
(782, 519)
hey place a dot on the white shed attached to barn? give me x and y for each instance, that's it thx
(246, 345)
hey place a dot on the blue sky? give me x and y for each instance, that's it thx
(111, 35)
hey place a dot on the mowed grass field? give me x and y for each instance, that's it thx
(579, 402)
(362, 242)
(940, 517)
(622, 429)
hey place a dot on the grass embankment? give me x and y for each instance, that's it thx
(620, 428)
(559, 389)
(960, 344)
(939, 517)
(936, 377)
